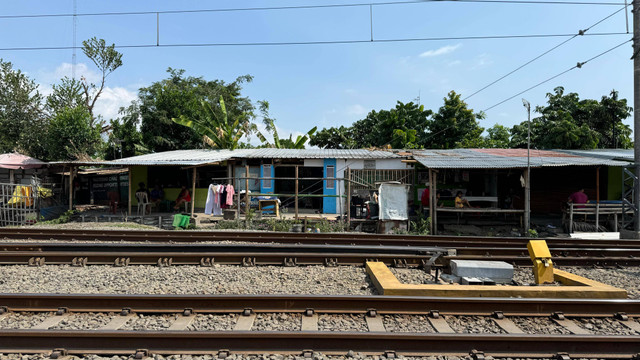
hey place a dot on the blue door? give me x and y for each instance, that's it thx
(329, 187)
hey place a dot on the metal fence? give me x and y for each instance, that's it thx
(19, 204)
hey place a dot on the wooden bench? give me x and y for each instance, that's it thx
(596, 209)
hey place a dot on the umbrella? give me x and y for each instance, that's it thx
(16, 161)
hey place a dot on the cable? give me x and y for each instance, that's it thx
(531, 2)
(328, 42)
(580, 33)
(577, 66)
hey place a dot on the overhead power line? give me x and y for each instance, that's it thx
(269, 8)
(328, 42)
(577, 66)
(579, 33)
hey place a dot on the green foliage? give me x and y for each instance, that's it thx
(567, 122)
(532, 233)
(22, 121)
(401, 127)
(327, 226)
(454, 125)
(180, 96)
(67, 94)
(421, 226)
(125, 139)
(216, 127)
(64, 218)
(71, 135)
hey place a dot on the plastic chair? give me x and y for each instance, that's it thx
(143, 202)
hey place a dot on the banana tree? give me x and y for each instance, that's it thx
(280, 143)
(218, 130)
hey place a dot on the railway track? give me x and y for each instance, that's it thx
(377, 338)
(207, 254)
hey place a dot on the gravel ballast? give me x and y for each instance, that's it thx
(213, 322)
(604, 326)
(407, 323)
(277, 322)
(149, 322)
(539, 325)
(23, 320)
(186, 279)
(342, 323)
(84, 321)
(473, 324)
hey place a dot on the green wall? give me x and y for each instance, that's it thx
(140, 174)
(614, 186)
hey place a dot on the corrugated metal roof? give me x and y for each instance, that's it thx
(492, 159)
(179, 157)
(611, 154)
(270, 153)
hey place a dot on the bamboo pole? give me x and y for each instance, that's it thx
(434, 219)
(348, 198)
(296, 201)
(431, 209)
(71, 188)
(129, 190)
(246, 193)
(193, 192)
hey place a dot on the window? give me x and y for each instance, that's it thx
(266, 173)
(369, 164)
(331, 173)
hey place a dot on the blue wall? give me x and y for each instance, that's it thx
(329, 203)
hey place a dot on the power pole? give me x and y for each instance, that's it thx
(636, 113)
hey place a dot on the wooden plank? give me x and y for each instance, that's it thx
(631, 324)
(375, 323)
(441, 326)
(508, 326)
(117, 322)
(572, 326)
(310, 323)
(50, 321)
(182, 322)
(245, 323)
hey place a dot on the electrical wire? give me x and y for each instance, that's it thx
(580, 33)
(296, 7)
(577, 66)
(327, 42)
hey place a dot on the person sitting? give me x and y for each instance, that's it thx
(183, 197)
(578, 197)
(461, 202)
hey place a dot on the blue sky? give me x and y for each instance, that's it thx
(332, 85)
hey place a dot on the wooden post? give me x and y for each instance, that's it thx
(570, 218)
(129, 190)
(349, 198)
(246, 193)
(11, 176)
(71, 188)
(598, 184)
(296, 201)
(193, 192)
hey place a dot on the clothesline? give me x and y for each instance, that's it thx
(218, 197)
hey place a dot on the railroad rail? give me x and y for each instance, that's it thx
(207, 254)
(511, 342)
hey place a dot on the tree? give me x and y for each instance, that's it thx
(278, 143)
(67, 94)
(218, 128)
(567, 122)
(179, 96)
(401, 127)
(454, 125)
(125, 140)
(107, 59)
(71, 135)
(22, 121)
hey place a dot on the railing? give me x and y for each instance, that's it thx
(370, 179)
(19, 204)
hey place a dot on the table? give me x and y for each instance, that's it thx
(264, 203)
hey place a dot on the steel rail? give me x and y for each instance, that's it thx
(343, 304)
(196, 342)
(299, 254)
(306, 238)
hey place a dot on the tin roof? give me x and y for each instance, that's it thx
(611, 154)
(271, 153)
(179, 157)
(504, 159)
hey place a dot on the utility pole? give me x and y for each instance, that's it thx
(636, 114)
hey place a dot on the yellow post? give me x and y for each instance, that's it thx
(542, 264)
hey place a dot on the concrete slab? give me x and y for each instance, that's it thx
(596, 235)
(499, 271)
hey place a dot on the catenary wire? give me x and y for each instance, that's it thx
(270, 8)
(580, 33)
(577, 66)
(327, 42)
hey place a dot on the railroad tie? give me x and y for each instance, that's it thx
(245, 322)
(310, 322)
(631, 324)
(118, 321)
(51, 321)
(571, 326)
(182, 322)
(439, 323)
(507, 325)
(3, 316)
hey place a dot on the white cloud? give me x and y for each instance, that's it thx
(356, 109)
(441, 51)
(111, 100)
